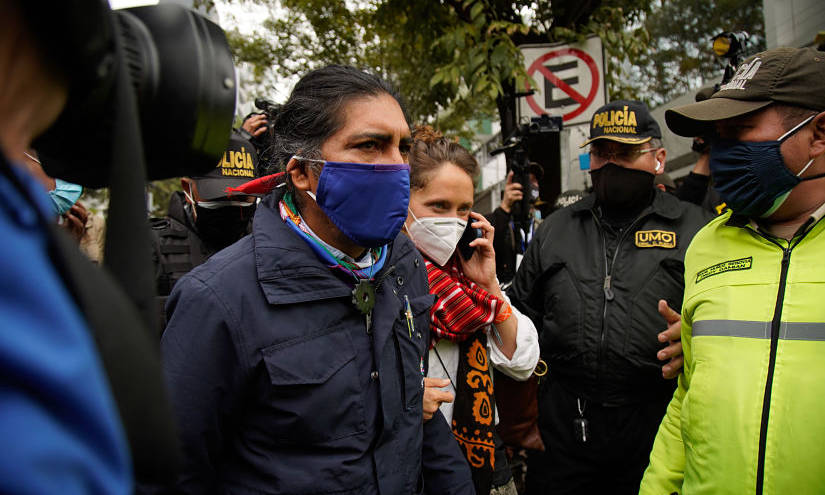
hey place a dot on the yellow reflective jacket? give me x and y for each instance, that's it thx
(748, 415)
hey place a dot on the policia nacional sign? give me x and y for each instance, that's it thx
(237, 163)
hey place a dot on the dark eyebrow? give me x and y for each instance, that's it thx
(372, 135)
(383, 137)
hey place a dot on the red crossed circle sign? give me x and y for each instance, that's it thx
(584, 101)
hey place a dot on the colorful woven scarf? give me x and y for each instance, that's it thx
(287, 210)
(461, 312)
(462, 306)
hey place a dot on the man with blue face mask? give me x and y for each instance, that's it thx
(747, 415)
(296, 357)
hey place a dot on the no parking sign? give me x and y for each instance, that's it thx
(570, 80)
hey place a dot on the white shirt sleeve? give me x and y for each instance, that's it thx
(526, 356)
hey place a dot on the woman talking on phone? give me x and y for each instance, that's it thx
(473, 325)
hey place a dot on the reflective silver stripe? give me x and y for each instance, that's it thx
(759, 329)
(802, 331)
(732, 328)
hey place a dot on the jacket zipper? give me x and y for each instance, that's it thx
(776, 323)
(608, 280)
(766, 401)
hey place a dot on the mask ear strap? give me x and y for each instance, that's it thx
(817, 176)
(414, 220)
(805, 168)
(304, 159)
(188, 195)
(191, 201)
(795, 128)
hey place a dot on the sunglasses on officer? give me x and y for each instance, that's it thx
(622, 153)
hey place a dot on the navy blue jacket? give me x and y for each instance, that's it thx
(279, 387)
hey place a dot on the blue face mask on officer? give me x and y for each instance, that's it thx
(751, 177)
(366, 201)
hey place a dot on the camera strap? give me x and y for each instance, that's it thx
(128, 247)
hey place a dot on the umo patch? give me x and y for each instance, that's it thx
(656, 238)
(725, 266)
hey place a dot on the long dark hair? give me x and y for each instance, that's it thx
(313, 111)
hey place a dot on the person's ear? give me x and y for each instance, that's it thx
(661, 157)
(299, 174)
(818, 138)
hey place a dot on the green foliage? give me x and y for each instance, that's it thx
(161, 191)
(455, 60)
(625, 39)
(96, 200)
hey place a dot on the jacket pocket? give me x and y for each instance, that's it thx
(315, 394)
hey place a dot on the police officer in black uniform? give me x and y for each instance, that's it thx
(202, 219)
(591, 280)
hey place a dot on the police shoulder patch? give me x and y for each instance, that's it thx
(656, 238)
(725, 266)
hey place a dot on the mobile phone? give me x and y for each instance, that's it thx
(470, 234)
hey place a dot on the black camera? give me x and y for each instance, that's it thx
(732, 46)
(161, 77)
(264, 143)
(151, 95)
(517, 148)
(270, 109)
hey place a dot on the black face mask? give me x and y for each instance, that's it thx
(220, 227)
(622, 192)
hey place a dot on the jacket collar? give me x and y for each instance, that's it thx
(742, 221)
(288, 270)
(664, 205)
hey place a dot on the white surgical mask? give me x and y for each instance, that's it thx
(436, 237)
